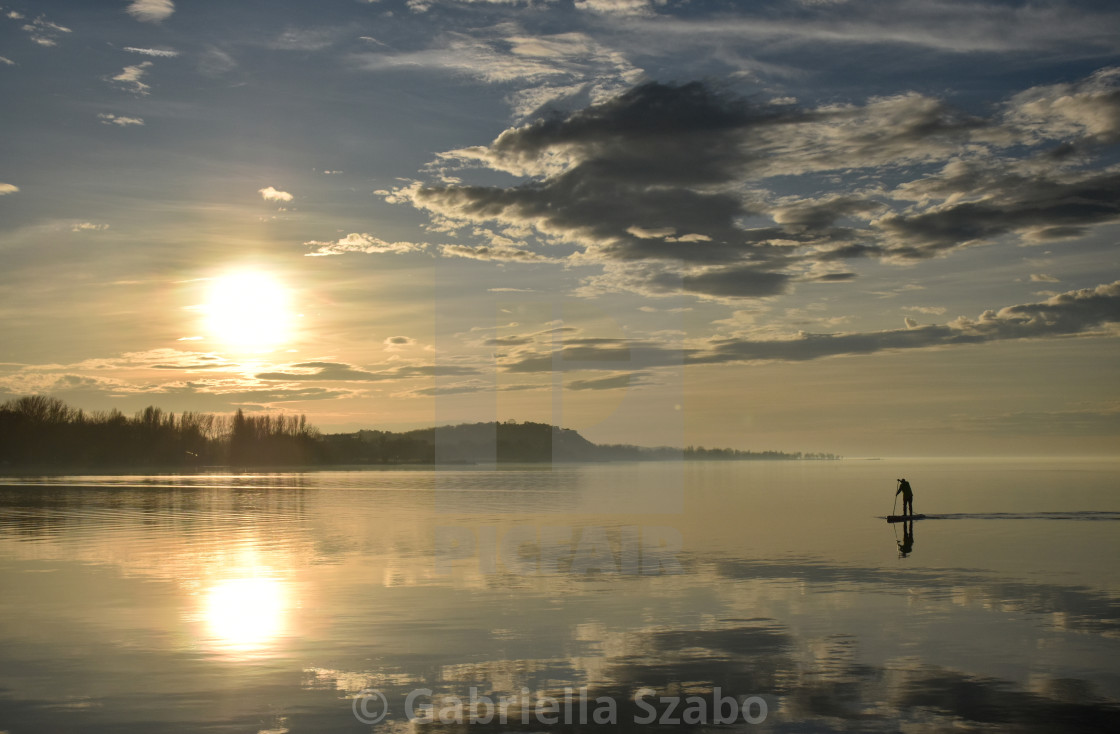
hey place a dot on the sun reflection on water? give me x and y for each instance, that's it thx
(246, 616)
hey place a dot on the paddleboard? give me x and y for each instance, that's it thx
(904, 518)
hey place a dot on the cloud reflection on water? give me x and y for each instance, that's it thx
(293, 597)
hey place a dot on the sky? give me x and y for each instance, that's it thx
(865, 227)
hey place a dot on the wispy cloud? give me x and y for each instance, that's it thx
(7, 188)
(618, 7)
(166, 53)
(362, 242)
(955, 26)
(343, 372)
(151, 11)
(130, 78)
(43, 31)
(271, 193)
(6, 61)
(307, 39)
(544, 68)
(108, 118)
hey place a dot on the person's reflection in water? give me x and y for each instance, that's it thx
(906, 545)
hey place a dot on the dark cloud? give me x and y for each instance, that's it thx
(607, 354)
(1075, 312)
(736, 282)
(607, 383)
(1067, 314)
(1053, 208)
(494, 253)
(672, 180)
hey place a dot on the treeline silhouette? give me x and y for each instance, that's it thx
(43, 433)
(699, 452)
(39, 431)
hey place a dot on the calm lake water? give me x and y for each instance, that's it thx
(771, 593)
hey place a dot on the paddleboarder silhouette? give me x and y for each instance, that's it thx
(907, 497)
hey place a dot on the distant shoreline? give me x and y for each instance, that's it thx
(126, 471)
(43, 436)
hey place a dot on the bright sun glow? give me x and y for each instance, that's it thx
(246, 615)
(248, 311)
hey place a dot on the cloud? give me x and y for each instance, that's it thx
(306, 39)
(340, 371)
(151, 11)
(7, 188)
(657, 174)
(270, 193)
(1043, 278)
(596, 354)
(30, 381)
(88, 227)
(1085, 312)
(667, 187)
(130, 78)
(1079, 312)
(543, 68)
(107, 118)
(617, 7)
(367, 243)
(1041, 207)
(166, 53)
(235, 393)
(41, 30)
(215, 62)
(953, 26)
(395, 343)
(614, 382)
(1088, 108)
(6, 61)
(497, 253)
(143, 374)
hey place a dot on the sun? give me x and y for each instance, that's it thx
(248, 311)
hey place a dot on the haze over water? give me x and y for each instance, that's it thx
(267, 602)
